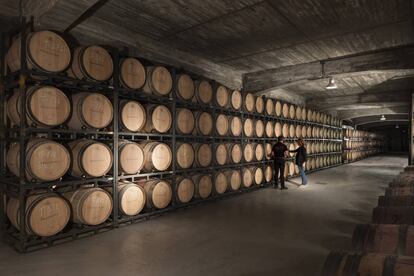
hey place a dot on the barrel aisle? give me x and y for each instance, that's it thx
(268, 232)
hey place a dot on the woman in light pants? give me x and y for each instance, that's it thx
(300, 160)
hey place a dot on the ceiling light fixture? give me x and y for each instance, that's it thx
(331, 85)
(383, 118)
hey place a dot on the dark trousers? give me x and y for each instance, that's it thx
(280, 167)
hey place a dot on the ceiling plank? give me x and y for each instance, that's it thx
(363, 112)
(388, 59)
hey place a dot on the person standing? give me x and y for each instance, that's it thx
(301, 157)
(279, 153)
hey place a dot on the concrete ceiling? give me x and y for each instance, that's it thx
(272, 47)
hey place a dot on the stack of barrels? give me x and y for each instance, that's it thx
(360, 144)
(386, 246)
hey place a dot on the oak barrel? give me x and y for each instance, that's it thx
(185, 121)
(248, 128)
(268, 173)
(185, 87)
(258, 175)
(222, 125)
(132, 116)
(184, 189)
(46, 160)
(158, 156)
(92, 63)
(130, 157)
(159, 118)
(235, 153)
(259, 104)
(292, 111)
(235, 126)
(46, 214)
(384, 238)
(203, 155)
(292, 131)
(159, 81)
(203, 186)
(249, 102)
(343, 264)
(258, 152)
(278, 129)
(268, 151)
(131, 198)
(220, 183)
(285, 130)
(298, 131)
(234, 179)
(90, 110)
(285, 110)
(236, 100)
(185, 155)
(222, 96)
(278, 109)
(269, 129)
(221, 154)
(204, 123)
(247, 177)
(45, 50)
(159, 193)
(298, 114)
(90, 205)
(259, 128)
(46, 106)
(248, 152)
(204, 92)
(270, 107)
(132, 73)
(90, 158)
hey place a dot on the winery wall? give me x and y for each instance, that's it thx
(96, 138)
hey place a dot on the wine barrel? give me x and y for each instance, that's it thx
(90, 206)
(309, 115)
(185, 155)
(342, 263)
(220, 183)
(203, 155)
(291, 146)
(298, 114)
(309, 131)
(270, 107)
(46, 160)
(236, 100)
(268, 151)
(257, 175)
(292, 112)
(204, 92)
(278, 129)
(185, 87)
(131, 198)
(130, 157)
(235, 126)
(184, 189)
(248, 152)
(304, 132)
(285, 130)
(132, 116)
(248, 127)
(259, 128)
(159, 119)
(235, 153)
(159, 193)
(393, 215)
(278, 109)
(291, 166)
(222, 96)
(185, 121)
(132, 73)
(46, 214)
(394, 201)
(269, 129)
(258, 152)
(45, 51)
(159, 81)
(90, 110)
(292, 131)
(46, 106)
(400, 191)
(90, 158)
(298, 131)
(247, 177)
(268, 174)
(285, 110)
(158, 156)
(222, 125)
(259, 104)
(203, 186)
(204, 123)
(92, 63)
(384, 239)
(234, 179)
(249, 102)
(221, 154)
(304, 113)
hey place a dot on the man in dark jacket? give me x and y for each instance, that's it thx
(279, 153)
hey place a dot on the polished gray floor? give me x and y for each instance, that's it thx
(268, 232)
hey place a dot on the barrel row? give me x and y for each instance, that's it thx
(351, 156)
(352, 133)
(361, 145)
(317, 147)
(48, 213)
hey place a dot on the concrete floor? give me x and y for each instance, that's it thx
(268, 232)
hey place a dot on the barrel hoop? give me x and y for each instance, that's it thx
(389, 264)
(402, 239)
(29, 209)
(80, 155)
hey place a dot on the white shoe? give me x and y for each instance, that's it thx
(303, 186)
